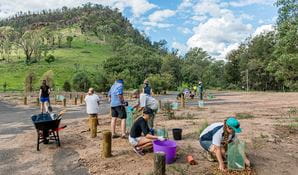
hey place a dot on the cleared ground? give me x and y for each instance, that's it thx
(271, 135)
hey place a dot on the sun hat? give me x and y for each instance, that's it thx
(234, 124)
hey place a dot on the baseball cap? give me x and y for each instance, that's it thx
(234, 124)
(148, 111)
(120, 81)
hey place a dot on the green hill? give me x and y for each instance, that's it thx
(98, 33)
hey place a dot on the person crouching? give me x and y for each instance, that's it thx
(140, 126)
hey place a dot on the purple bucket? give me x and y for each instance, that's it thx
(168, 147)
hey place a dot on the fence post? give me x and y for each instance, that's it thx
(182, 101)
(25, 100)
(107, 144)
(64, 102)
(81, 99)
(76, 100)
(93, 126)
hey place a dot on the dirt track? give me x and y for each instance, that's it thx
(270, 145)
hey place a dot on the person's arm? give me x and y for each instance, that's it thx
(219, 158)
(98, 100)
(216, 143)
(149, 136)
(49, 91)
(39, 93)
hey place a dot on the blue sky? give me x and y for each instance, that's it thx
(217, 26)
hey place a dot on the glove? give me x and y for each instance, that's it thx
(160, 138)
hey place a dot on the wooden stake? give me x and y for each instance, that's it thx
(25, 100)
(159, 163)
(93, 126)
(37, 101)
(64, 102)
(76, 101)
(107, 144)
(182, 101)
(70, 96)
(81, 99)
(160, 105)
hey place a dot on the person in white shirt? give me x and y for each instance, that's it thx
(146, 101)
(92, 104)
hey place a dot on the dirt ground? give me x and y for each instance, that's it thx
(271, 136)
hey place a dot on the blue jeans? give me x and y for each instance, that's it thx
(206, 144)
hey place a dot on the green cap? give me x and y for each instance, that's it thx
(234, 124)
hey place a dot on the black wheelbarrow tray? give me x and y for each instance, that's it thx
(47, 129)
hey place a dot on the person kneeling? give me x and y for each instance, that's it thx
(216, 137)
(140, 126)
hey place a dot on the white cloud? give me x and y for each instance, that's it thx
(242, 3)
(184, 30)
(220, 33)
(10, 7)
(185, 4)
(161, 15)
(156, 24)
(157, 18)
(182, 48)
(199, 18)
(263, 29)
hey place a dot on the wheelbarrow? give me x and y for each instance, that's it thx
(47, 128)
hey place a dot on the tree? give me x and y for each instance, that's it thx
(172, 65)
(101, 82)
(30, 43)
(160, 82)
(67, 86)
(81, 81)
(195, 64)
(69, 40)
(29, 81)
(7, 37)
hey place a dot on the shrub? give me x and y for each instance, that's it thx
(29, 81)
(49, 77)
(67, 86)
(81, 81)
(50, 59)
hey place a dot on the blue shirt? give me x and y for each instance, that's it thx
(115, 91)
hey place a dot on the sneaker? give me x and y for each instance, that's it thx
(209, 157)
(138, 151)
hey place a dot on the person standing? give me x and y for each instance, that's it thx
(117, 107)
(92, 105)
(146, 101)
(44, 96)
(201, 89)
(147, 88)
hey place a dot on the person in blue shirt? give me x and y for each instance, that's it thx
(117, 107)
(147, 88)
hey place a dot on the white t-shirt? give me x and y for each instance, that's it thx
(217, 138)
(92, 104)
(148, 101)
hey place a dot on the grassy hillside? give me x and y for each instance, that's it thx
(87, 54)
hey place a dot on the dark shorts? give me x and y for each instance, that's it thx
(119, 112)
(206, 144)
(44, 99)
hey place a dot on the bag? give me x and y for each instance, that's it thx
(236, 155)
(152, 103)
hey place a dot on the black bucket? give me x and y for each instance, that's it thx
(177, 133)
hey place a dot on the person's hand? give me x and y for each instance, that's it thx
(160, 138)
(222, 167)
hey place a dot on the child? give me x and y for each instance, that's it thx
(216, 137)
